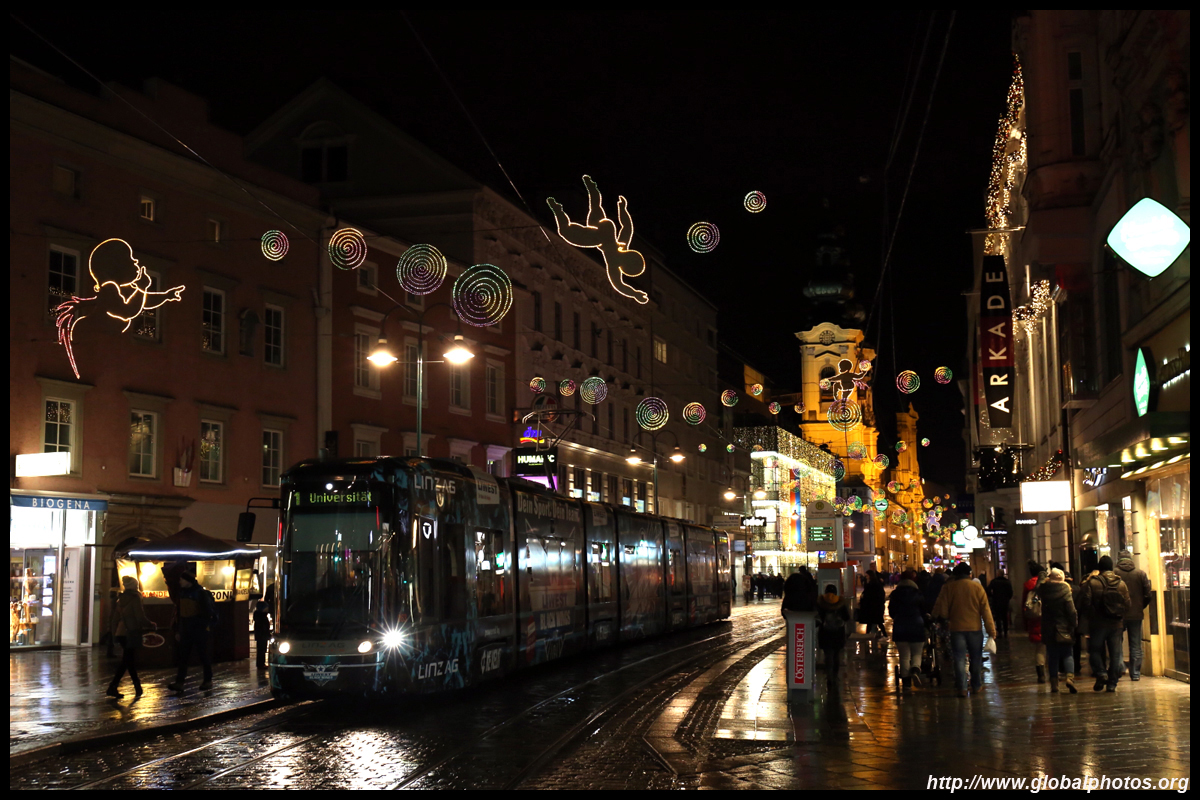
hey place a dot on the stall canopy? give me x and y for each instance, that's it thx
(190, 545)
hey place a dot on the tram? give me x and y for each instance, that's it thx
(416, 575)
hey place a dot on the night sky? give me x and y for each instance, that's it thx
(682, 114)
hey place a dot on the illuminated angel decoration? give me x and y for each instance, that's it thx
(601, 233)
(123, 301)
(847, 379)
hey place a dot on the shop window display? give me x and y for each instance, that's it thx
(1169, 509)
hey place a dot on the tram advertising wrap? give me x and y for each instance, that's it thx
(417, 575)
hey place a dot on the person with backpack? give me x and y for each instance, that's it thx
(1059, 622)
(197, 615)
(1031, 606)
(1106, 600)
(1138, 584)
(908, 628)
(833, 614)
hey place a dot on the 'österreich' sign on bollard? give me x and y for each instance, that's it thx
(801, 633)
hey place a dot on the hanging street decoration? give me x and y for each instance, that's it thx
(122, 293)
(274, 245)
(566, 388)
(652, 413)
(702, 447)
(693, 414)
(893, 487)
(482, 295)
(774, 407)
(422, 269)
(881, 504)
(602, 234)
(703, 237)
(839, 469)
(881, 460)
(593, 390)
(347, 248)
(908, 381)
(729, 448)
(825, 384)
(844, 415)
(537, 385)
(755, 202)
(943, 375)
(924, 443)
(847, 378)
(856, 450)
(729, 398)
(756, 389)
(901, 447)
(798, 408)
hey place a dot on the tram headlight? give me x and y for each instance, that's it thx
(284, 648)
(392, 639)
(364, 647)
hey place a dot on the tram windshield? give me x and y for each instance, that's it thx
(334, 570)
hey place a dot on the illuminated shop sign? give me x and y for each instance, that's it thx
(995, 342)
(529, 461)
(1144, 389)
(1045, 496)
(754, 522)
(1149, 237)
(34, 465)
(58, 503)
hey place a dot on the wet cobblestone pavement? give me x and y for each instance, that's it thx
(702, 709)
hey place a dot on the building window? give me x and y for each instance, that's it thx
(639, 362)
(414, 300)
(65, 181)
(213, 229)
(460, 387)
(212, 439)
(610, 348)
(612, 429)
(63, 280)
(537, 311)
(60, 416)
(578, 482)
(558, 322)
(273, 337)
(146, 324)
(625, 355)
(364, 373)
(827, 372)
(625, 425)
(272, 456)
(213, 321)
(595, 340)
(712, 338)
(594, 490)
(660, 350)
(324, 163)
(492, 383)
(148, 208)
(367, 278)
(142, 426)
(365, 449)
(613, 488)
(576, 330)
(626, 491)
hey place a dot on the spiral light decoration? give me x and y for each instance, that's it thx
(422, 269)
(593, 390)
(839, 469)
(482, 295)
(693, 414)
(729, 448)
(856, 450)
(881, 460)
(901, 447)
(943, 375)
(652, 413)
(774, 408)
(347, 248)
(537, 385)
(825, 384)
(908, 381)
(924, 443)
(927, 503)
(756, 389)
(755, 202)
(274, 245)
(702, 447)
(893, 487)
(729, 398)
(566, 388)
(844, 415)
(864, 365)
(703, 237)
(798, 408)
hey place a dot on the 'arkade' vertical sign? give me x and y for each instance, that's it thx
(996, 342)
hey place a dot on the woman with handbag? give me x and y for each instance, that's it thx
(1031, 603)
(128, 624)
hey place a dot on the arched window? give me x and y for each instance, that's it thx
(827, 394)
(324, 154)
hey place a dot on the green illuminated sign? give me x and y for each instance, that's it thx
(1141, 383)
(1149, 237)
(820, 533)
(317, 498)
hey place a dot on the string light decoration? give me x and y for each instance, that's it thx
(881, 460)
(537, 385)
(729, 398)
(702, 447)
(864, 365)
(482, 295)
(693, 413)
(729, 448)
(927, 503)
(566, 388)
(881, 504)
(703, 237)
(123, 301)
(652, 413)
(937, 498)
(1009, 152)
(774, 407)
(1037, 306)
(893, 487)
(1047, 470)
(274, 245)
(844, 415)
(901, 447)
(856, 450)
(925, 443)
(593, 390)
(756, 389)
(778, 440)
(755, 202)
(422, 269)
(825, 384)
(798, 408)
(347, 248)
(908, 381)
(601, 233)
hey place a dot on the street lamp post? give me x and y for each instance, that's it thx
(676, 457)
(382, 357)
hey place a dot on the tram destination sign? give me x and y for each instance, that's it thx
(531, 461)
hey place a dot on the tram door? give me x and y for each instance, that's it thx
(676, 567)
(427, 599)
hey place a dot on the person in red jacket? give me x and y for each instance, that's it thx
(1033, 623)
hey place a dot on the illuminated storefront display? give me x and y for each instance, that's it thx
(1149, 237)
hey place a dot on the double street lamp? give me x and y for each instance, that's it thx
(381, 356)
(677, 457)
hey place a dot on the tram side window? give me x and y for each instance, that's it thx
(600, 572)
(427, 572)
(491, 570)
(675, 569)
(454, 572)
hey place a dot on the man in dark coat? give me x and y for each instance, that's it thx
(1000, 595)
(908, 628)
(1059, 623)
(197, 615)
(934, 588)
(832, 616)
(800, 592)
(1105, 623)
(870, 605)
(1138, 584)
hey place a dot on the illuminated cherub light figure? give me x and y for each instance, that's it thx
(601, 233)
(122, 301)
(847, 380)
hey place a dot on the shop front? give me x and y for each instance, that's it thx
(1169, 531)
(52, 567)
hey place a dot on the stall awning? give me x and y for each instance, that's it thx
(190, 545)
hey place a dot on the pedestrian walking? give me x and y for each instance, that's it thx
(832, 617)
(762, 587)
(1059, 622)
(1105, 599)
(963, 603)
(870, 606)
(908, 628)
(1000, 594)
(127, 625)
(934, 588)
(1138, 584)
(197, 614)
(1031, 606)
(262, 626)
(799, 592)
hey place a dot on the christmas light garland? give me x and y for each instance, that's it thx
(1005, 164)
(1047, 470)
